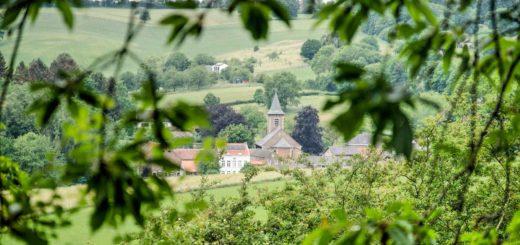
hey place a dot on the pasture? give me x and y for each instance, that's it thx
(100, 30)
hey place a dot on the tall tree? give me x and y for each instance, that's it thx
(22, 74)
(177, 60)
(307, 131)
(63, 63)
(38, 71)
(220, 117)
(287, 87)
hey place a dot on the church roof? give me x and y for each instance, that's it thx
(275, 137)
(282, 143)
(275, 109)
(268, 136)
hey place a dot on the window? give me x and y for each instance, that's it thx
(276, 122)
(228, 163)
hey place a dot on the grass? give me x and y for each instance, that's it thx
(228, 93)
(100, 30)
(79, 231)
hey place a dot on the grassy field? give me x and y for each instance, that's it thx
(79, 231)
(100, 30)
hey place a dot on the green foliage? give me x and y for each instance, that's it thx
(36, 154)
(238, 133)
(362, 93)
(310, 48)
(464, 168)
(210, 100)
(178, 61)
(204, 59)
(292, 7)
(259, 96)
(254, 118)
(322, 61)
(287, 87)
(307, 131)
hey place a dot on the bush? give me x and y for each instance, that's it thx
(310, 48)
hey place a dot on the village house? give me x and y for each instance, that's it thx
(359, 145)
(236, 156)
(219, 67)
(277, 140)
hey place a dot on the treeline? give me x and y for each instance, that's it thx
(178, 72)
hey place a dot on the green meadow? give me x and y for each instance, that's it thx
(100, 30)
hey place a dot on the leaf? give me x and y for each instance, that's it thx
(255, 19)
(402, 135)
(66, 12)
(399, 236)
(279, 10)
(348, 71)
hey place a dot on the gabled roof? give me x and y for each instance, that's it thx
(269, 136)
(360, 139)
(237, 149)
(275, 109)
(282, 143)
(275, 136)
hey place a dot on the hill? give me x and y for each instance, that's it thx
(100, 30)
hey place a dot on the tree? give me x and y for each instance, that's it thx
(210, 100)
(144, 15)
(254, 118)
(220, 117)
(310, 48)
(238, 133)
(204, 59)
(292, 6)
(307, 131)
(35, 153)
(3, 66)
(38, 71)
(287, 87)
(259, 96)
(322, 61)
(177, 60)
(16, 119)
(200, 77)
(63, 63)
(130, 81)
(22, 74)
(236, 74)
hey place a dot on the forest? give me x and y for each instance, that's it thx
(436, 84)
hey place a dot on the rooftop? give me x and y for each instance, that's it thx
(276, 108)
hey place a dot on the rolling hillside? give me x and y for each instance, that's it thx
(100, 30)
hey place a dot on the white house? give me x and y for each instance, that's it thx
(235, 157)
(218, 67)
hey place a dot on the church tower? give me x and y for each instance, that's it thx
(275, 115)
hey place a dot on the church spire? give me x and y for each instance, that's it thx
(275, 109)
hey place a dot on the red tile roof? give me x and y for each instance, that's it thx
(237, 149)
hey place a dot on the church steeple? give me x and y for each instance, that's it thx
(275, 115)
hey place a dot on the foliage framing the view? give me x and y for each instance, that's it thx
(119, 191)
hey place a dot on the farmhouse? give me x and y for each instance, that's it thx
(218, 67)
(277, 140)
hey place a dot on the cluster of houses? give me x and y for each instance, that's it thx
(274, 148)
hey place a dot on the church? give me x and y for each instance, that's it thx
(277, 140)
